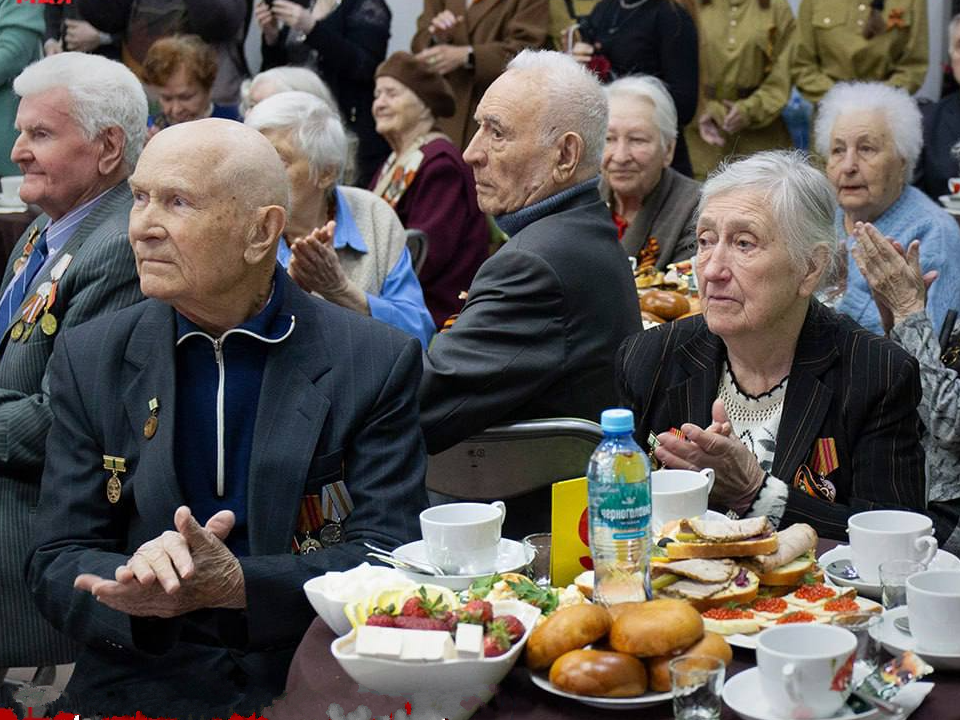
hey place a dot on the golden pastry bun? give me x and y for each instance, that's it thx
(569, 628)
(657, 627)
(599, 674)
(664, 303)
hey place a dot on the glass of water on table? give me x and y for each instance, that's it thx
(893, 581)
(697, 684)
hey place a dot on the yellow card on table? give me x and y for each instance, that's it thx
(569, 550)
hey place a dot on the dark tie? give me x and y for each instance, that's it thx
(17, 290)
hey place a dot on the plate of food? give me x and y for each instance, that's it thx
(617, 658)
(743, 576)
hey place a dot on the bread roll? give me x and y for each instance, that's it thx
(599, 674)
(651, 318)
(656, 627)
(569, 628)
(620, 608)
(711, 644)
(664, 303)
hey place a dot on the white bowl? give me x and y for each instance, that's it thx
(439, 686)
(329, 593)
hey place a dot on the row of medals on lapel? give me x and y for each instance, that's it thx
(39, 304)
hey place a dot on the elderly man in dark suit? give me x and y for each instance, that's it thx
(82, 126)
(215, 446)
(544, 315)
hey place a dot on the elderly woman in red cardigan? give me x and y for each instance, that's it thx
(426, 181)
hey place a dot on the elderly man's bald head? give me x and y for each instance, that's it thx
(241, 160)
(210, 200)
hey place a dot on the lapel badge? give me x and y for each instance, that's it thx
(150, 426)
(115, 465)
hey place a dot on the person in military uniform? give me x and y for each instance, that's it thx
(748, 48)
(883, 40)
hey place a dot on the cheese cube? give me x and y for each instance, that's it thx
(381, 642)
(427, 645)
(469, 642)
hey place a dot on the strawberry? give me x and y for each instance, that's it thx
(496, 641)
(514, 627)
(410, 622)
(382, 620)
(478, 612)
(421, 606)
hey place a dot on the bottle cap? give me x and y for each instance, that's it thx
(617, 420)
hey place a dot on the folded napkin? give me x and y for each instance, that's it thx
(911, 696)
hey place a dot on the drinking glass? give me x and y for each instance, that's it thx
(893, 581)
(537, 548)
(866, 627)
(697, 684)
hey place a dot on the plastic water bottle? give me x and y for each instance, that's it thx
(618, 482)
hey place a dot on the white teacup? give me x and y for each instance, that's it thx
(463, 538)
(933, 606)
(677, 494)
(806, 669)
(10, 188)
(880, 535)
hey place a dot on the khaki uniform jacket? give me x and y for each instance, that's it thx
(831, 46)
(747, 57)
(497, 30)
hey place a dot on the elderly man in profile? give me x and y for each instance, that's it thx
(82, 121)
(215, 446)
(544, 315)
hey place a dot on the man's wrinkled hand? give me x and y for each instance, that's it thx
(179, 572)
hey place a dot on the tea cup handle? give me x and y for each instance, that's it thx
(499, 505)
(792, 681)
(931, 542)
(708, 473)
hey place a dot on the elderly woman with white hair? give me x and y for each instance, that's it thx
(283, 78)
(652, 204)
(759, 385)
(870, 136)
(342, 243)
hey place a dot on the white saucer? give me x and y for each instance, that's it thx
(896, 641)
(11, 201)
(951, 202)
(941, 561)
(628, 703)
(511, 557)
(743, 695)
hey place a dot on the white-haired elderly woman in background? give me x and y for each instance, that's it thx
(343, 243)
(652, 204)
(870, 136)
(760, 383)
(283, 79)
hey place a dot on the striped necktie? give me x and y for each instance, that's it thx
(17, 290)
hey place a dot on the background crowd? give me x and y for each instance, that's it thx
(483, 200)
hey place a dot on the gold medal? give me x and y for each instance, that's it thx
(16, 331)
(48, 323)
(27, 332)
(113, 489)
(115, 465)
(150, 427)
(309, 546)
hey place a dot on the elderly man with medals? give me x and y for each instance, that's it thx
(81, 121)
(215, 446)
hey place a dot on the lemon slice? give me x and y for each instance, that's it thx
(446, 595)
(386, 598)
(356, 613)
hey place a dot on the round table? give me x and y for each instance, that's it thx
(316, 680)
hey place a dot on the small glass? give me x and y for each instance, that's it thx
(537, 548)
(697, 683)
(893, 581)
(866, 627)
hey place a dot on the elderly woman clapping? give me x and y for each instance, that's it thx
(759, 385)
(340, 242)
(870, 135)
(426, 181)
(652, 204)
(899, 288)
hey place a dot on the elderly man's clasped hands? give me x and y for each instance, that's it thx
(183, 570)
(738, 475)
